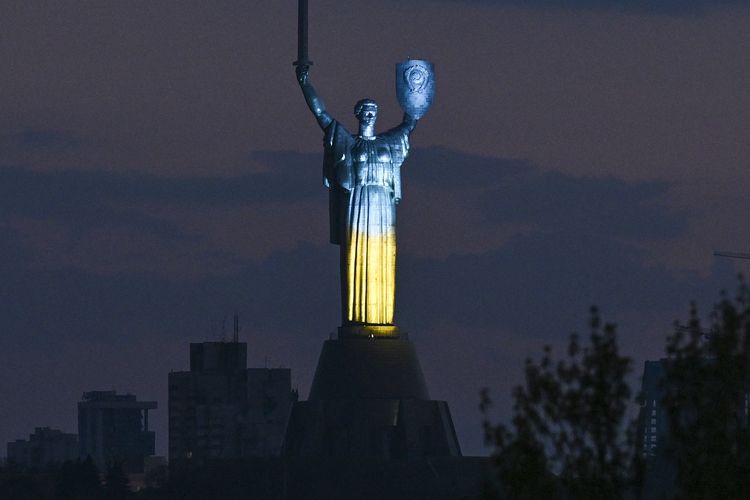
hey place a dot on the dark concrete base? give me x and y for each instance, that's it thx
(369, 399)
(368, 368)
(374, 428)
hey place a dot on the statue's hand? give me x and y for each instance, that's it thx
(302, 71)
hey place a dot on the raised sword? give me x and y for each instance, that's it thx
(302, 57)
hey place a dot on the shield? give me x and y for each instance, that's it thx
(415, 86)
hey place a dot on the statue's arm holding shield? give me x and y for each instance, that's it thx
(406, 126)
(398, 137)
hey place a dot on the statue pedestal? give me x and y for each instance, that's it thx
(369, 399)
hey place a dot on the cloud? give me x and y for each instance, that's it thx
(508, 191)
(580, 241)
(503, 190)
(607, 206)
(13, 252)
(658, 7)
(541, 284)
(41, 139)
(283, 292)
(450, 169)
(583, 242)
(83, 200)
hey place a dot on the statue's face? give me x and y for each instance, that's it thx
(368, 114)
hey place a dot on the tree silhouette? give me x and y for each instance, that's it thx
(78, 480)
(116, 483)
(570, 432)
(706, 398)
(18, 484)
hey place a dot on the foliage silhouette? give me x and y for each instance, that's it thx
(78, 480)
(570, 434)
(706, 398)
(116, 482)
(17, 484)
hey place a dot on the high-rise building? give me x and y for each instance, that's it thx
(660, 472)
(220, 409)
(114, 428)
(654, 433)
(653, 420)
(44, 447)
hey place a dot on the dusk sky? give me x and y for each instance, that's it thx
(159, 170)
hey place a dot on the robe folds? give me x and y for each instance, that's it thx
(364, 180)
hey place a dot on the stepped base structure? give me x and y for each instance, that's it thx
(369, 399)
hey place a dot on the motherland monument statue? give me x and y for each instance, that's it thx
(363, 174)
(368, 397)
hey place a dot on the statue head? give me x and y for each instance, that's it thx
(366, 111)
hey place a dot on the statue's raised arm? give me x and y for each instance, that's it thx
(302, 70)
(314, 102)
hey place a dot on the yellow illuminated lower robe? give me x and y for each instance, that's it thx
(370, 258)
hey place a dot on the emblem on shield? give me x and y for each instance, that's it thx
(415, 86)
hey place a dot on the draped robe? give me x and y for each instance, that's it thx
(364, 180)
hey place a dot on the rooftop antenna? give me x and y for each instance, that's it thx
(224, 329)
(236, 337)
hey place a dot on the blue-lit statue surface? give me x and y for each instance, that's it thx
(363, 174)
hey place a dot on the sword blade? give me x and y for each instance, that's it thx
(302, 57)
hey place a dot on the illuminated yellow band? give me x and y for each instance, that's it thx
(371, 276)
